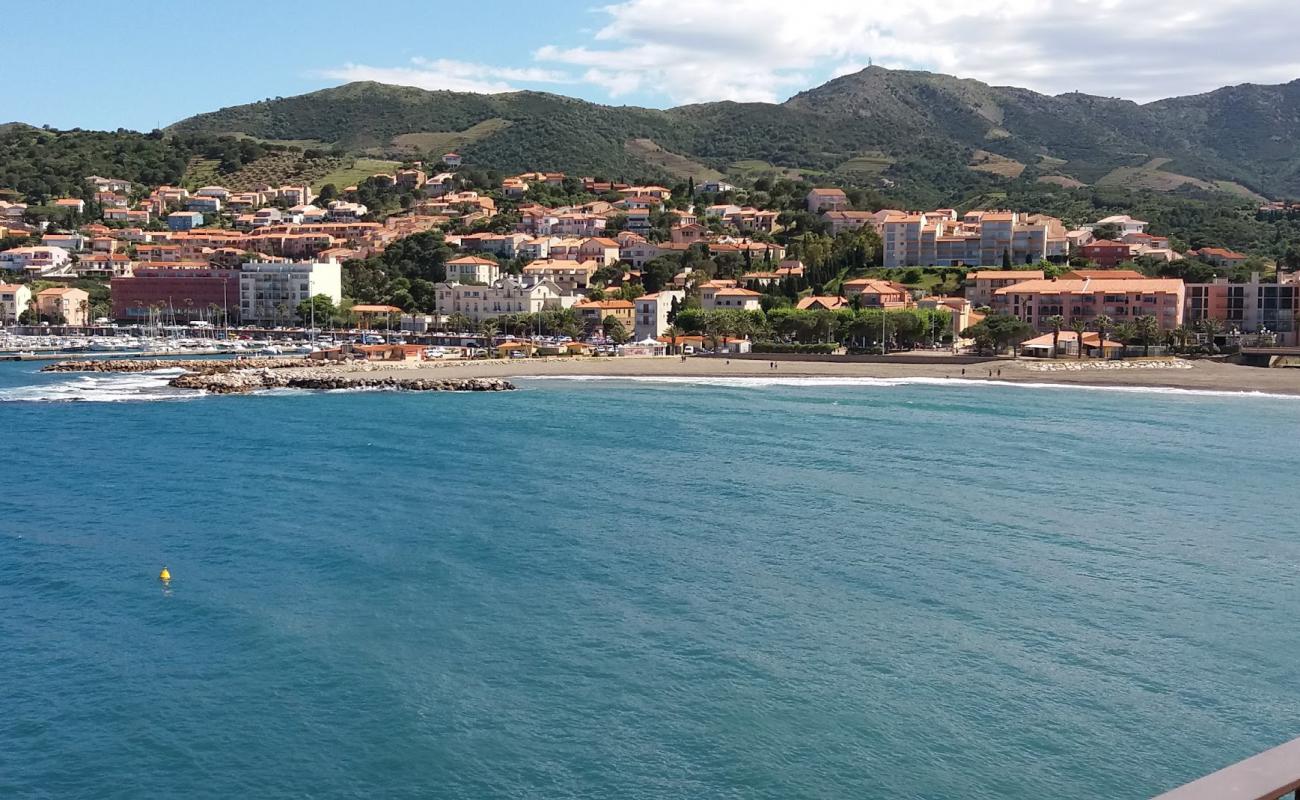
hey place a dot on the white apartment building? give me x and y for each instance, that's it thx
(651, 312)
(270, 291)
(40, 260)
(939, 238)
(1123, 222)
(14, 298)
(506, 295)
(472, 269)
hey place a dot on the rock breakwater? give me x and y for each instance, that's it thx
(243, 381)
(195, 366)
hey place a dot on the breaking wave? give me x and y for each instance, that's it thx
(101, 388)
(762, 382)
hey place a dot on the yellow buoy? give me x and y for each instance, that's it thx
(164, 575)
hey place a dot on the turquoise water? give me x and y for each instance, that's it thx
(613, 589)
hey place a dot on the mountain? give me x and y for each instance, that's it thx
(874, 123)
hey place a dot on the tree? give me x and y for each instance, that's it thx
(1107, 232)
(1210, 328)
(1126, 332)
(1102, 323)
(998, 330)
(673, 333)
(1056, 321)
(459, 322)
(1148, 328)
(658, 275)
(319, 308)
(1006, 259)
(1079, 326)
(614, 329)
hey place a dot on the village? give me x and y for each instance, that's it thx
(631, 269)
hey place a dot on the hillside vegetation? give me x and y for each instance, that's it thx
(1242, 139)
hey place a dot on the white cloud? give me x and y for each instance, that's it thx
(667, 52)
(443, 73)
(689, 51)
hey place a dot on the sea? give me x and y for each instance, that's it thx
(767, 588)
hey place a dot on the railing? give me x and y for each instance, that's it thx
(1271, 775)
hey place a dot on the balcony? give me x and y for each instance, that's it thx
(1271, 775)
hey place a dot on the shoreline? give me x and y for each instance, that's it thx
(1197, 375)
(232, 376)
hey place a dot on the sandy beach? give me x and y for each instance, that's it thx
(1194, 375)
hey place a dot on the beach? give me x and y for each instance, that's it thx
(1193, 375)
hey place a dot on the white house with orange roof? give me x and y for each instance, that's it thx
(40, 260)
(733, 298)
(571, 276)
(473, 269)
(508, 294)
(71, 242)
(652, 312)
(75, 204)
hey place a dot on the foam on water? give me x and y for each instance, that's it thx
(101, 388)
(764, 382)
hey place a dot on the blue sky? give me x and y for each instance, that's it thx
(147, 63)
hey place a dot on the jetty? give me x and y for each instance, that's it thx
(210, 366)
(245, 375)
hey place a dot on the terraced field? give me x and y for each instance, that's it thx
(994, 164)
(277, 169)
(351, 172)
(1064, 181)
(678, 166)
(868, 163)
(438, 142)
(749, 169)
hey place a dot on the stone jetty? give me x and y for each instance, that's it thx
(243, 381)
(238, 376)
(196, 366)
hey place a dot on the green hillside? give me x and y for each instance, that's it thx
(1245, 136)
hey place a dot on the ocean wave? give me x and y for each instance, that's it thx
(831, 381)
(101, 388)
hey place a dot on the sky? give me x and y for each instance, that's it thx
(144, 64)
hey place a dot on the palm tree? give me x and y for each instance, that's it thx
(1126, 332)
(1211, 328)
(1056, 321)
(1079, 326)
(1102, 323)
(672, 332)
(84, 307)
(1148, 328)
